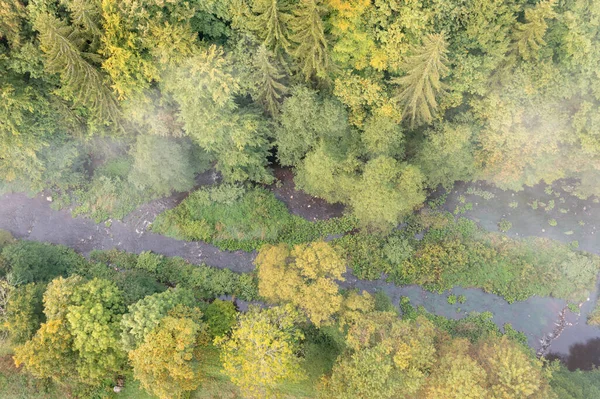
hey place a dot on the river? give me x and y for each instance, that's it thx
(541, 319)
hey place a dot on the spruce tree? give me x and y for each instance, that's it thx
(270, 89)
(270, 23)
(86, 15)
(80, 79)
(309, 35)
(529, 37)
(421, 84)
(12, 14)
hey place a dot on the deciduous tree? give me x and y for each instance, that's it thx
(386, 191)
(143, 316)
(166, 362)
(24, 312)
(262, 351)
(93, 318)
(162, 165)
(305, 275)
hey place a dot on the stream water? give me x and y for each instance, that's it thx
(549, 328)
(539, 211)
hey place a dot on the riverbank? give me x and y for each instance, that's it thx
(33, 219)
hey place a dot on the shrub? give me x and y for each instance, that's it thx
(30, 261)
(383, 303)
(220, 317)
(504, 225)
(6, 238)
(206, 282)
(232, 219)
(461, 254)
(365, 254)
(452, 299)
(24, 312)
(397, 250)
(594, 316)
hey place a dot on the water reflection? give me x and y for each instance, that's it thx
(583, 356)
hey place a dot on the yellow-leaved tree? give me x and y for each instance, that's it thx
(165, 363)
(262, 350)
(304, 275)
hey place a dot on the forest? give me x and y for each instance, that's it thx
(373, 106)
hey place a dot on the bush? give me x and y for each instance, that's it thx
(220, 317)
(460, 254)
(24, 312)
(234, 219)
(504, 225)
(30, 261)
(206, 282)
(594, 316)
(365, 254)
(108, 197)
(6, 238)
(383, 303)
(397, 250)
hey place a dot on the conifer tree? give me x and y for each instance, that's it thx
(309, 36)
(268, 75)
(12, 13)
(421, 84)
(529, 37)
(81, 81)
(270, 23)
(86, 15)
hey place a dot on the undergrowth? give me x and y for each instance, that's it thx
(236, 219)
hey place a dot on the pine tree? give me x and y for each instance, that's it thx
(80, 79)
(271, 23)
(421, 84)
(309, 35)
(529, 37)
(270, 89)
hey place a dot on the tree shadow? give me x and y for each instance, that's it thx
(583, 356)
